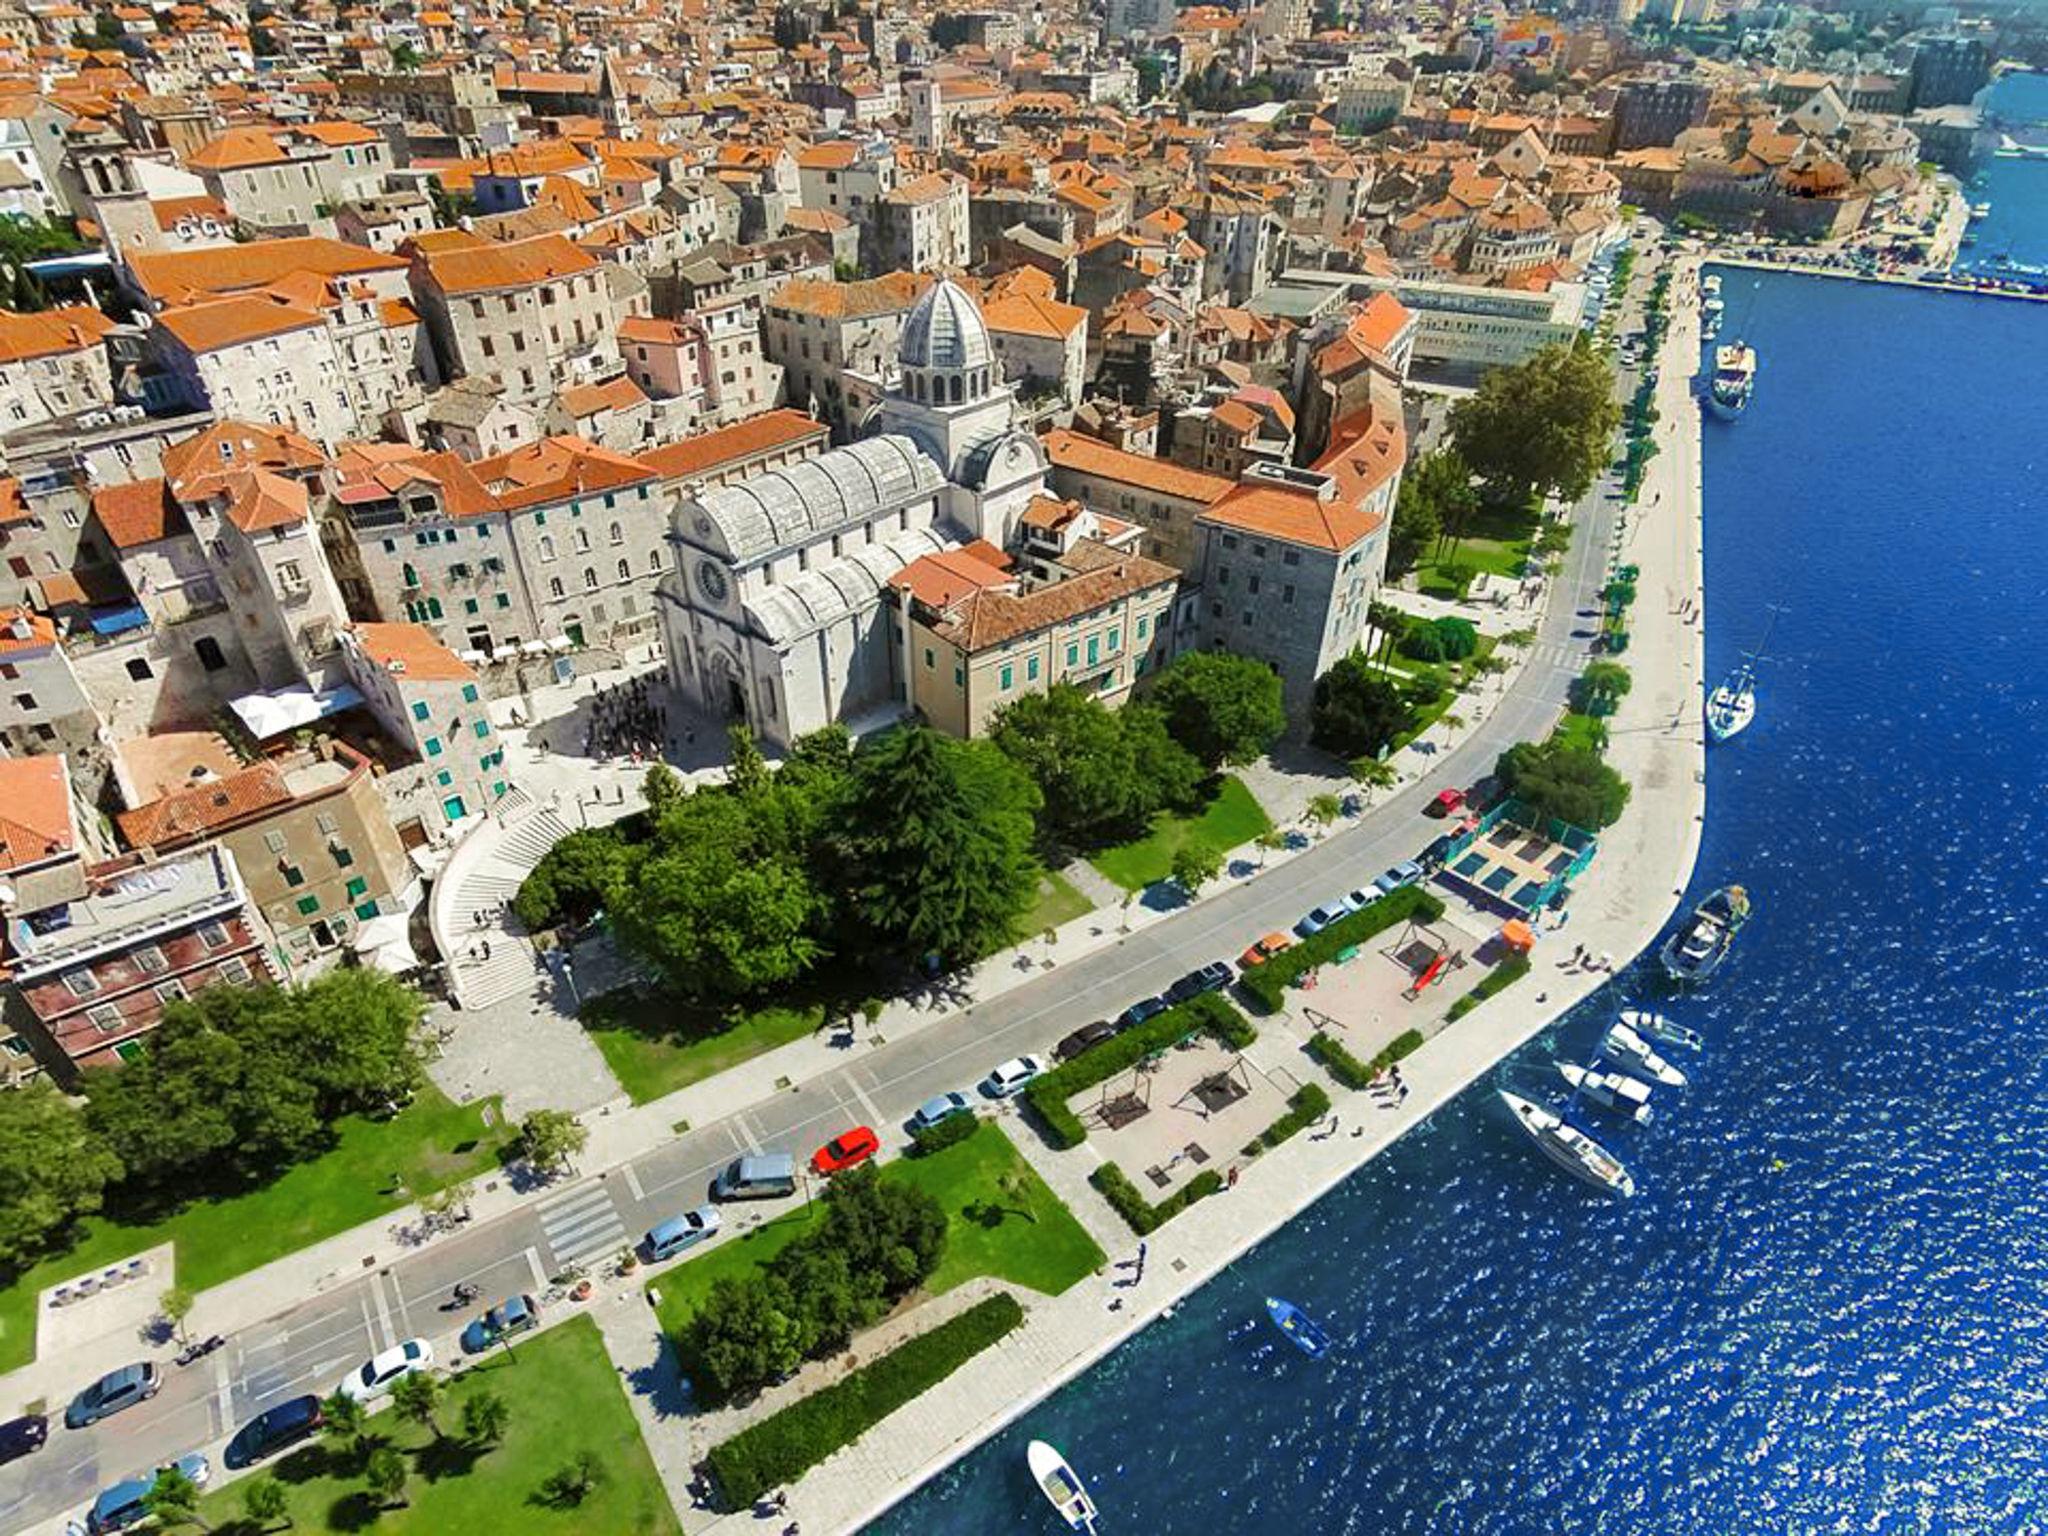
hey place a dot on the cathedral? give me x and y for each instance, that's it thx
(776, 612)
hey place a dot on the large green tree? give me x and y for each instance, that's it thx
(1568, 782)
(52, 1170)
(1358, 710)
(1223, 708)
(1076, 753)
(936, 844)
(585, 871)
(1544, 425)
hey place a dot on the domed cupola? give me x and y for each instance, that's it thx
(944, 352)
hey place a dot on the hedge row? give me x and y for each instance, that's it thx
(1504, 975)
(1048, 1095)
(1348, 1069)
(949, 1132)
(1266, 983)
(1308, 1105)
(789, 1442)
(1143, 1216)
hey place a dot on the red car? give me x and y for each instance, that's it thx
(848, 1149)
(1447, 802)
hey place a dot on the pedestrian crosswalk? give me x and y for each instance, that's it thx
(581, 1223)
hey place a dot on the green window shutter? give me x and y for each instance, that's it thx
(367, 911)
(433, 746)
(308, 905)
(469, 693)
(357, 888)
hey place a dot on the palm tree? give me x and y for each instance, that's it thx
(1519, 639)
(1492, 664)
(1385, 620)
(1323, 810)
(484, 1418)
(342, 1421)
(1371, 773)
(386, 1475)
(1270, 842)
(1452, 723)
(264, 1500)
(417, 1397)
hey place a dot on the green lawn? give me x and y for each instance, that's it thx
(564, 1398)
(1577, 730)
(431, 1143)
(1231, 819)
(1497, 541)
(1034, 1242)
(655, 1045)
(1058, 902)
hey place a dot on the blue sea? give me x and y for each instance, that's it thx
(1827, 1311)
(2017, 190)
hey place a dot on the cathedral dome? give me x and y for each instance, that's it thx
(944, 331)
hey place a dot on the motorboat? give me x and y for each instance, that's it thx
(1569, 1147)
(1696, 951)
(1632, 1053)
(1733, 381)
(1617, 1091)
(1301, 1329)
(1062, 1489)
(1654, 1026)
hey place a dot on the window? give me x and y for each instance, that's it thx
(366, 911)
(150, 960)
(214, 935)
(139, 669)
(625, 571)
(105, 1017)
(1230, 541)
(1006, 679)
(81, 983)
(582, 541)
(1143, 621)
(618, 533)
(172, 991)
(547, 547)
(1252, 585)
(469, 605)
(234, 968)
(1073, 655)
(25, 701)
(308, 905)
(419, 712)
(589, 579)
(1094, 650)
(1291, 557)
(555, 587)
(293, 875)
(444, 778)
(433, 746)
(1287, 593)
(1031, 669)
(503, 600)
(358, 888)
(483, 729)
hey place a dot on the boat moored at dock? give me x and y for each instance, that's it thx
(1654, 1026)
(1617, 1091)
(1061, 1487)
(1632, 1053)
(1733, 380)
(1569, 1147)
(1697, 950)
(1302, 1331)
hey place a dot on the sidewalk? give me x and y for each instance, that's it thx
(1623, 901)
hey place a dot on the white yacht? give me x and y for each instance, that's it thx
(1733, 381)
(1654, 1026)
(1617, 1091)
(1569, 1147)
(1061, 1487)
(1631, 1052)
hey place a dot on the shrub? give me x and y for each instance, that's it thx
(1348, 1069)
(788, 1443)
(576, 877)
(1503, 976)
(1423, 643)
(1456, 638)
(1308, 1105)
(1048, 1095)
(1265, 984)
(1143, 1216)
(949, 1132)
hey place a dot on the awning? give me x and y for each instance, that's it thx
(272, 714)
(1516, 935)
(118, 621)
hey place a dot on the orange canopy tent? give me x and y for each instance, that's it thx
(1518, 936)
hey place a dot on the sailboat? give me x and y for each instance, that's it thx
(1732, 706)
(1569, 1147)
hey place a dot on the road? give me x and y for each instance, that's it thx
(310, 1347)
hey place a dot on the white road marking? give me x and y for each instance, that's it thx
(633, 1182)
(224, 1389)
(540, 1275)
(377, 1323)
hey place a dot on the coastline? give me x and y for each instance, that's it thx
(1620, 906)
(1886, 279)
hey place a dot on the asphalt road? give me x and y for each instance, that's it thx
(310, 1348)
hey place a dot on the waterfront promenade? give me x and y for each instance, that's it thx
(1620, 905)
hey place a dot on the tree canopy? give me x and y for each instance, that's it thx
(1571, 783)
(1101, 773)
(52, 1170)
(1436, 498)
(1544, 425)
(1225, 709)
(1358, 710)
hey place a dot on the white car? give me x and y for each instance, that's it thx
(1011, 1076)
(380, 1373)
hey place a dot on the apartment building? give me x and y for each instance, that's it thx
(819, 332)
(43, 705)
(1162, 497)
(310, 836)
(535, 314)
(53, 365)
(295, 176)
(922, 226)
(431, 703)
(40, 851)
(712, 358)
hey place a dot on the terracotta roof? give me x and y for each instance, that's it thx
(183, 276)
(555, 468)
(726, 445)
(262, 500)
(1367, 448)
(40, 632)
(189, 814)
(337, 134)
(938, 581)
(653, 332)
(36, 822)
(231, 322)
(13, 505)
(137, 513)
(1026, 314)
(992, 616)
(73, 328)
(411, 651)
(615, 394)
(236, 150)
(207, 461)
(1091, 456)
(518, 264)
(882, 295)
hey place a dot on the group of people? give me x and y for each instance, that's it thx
(626, 720)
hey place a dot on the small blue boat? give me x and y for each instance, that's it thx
(1299, 1327)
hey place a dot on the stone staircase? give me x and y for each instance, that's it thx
(483, 877)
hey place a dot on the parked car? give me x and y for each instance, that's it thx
(1012, 1075)
(937, 1110)
(849, 1149)
(23, 1436)
(117, 1508)
(757, 1176)
(197, 1469)
(1322, 917)
(1213, 977)
(1447, 803)
(116, 1390)
(513, 1315)
(1144, 1008)
(1263, 950)
(671, 1237)
(1407, 872)
(273, 1429)
(380, 1373)
(1085, 1038)
(1434, 855)
(1362, 898)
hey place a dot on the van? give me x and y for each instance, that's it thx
(763, 1176)
(680, 1232)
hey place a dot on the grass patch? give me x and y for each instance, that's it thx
(1499, 979)
(1058, 903)
(1230, 819)
(1021, 1233)
(1497, 541)
(1143, 1217)
(430, 1143)
(789, 1442)
(1581, 731)
(564, 1399)
(655, 1043)
(1265, 983)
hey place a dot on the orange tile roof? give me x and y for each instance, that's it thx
(137, 513)
(183, 276)
(940, 580)
(232, 322)
(412, 652)
(652, 331)
(1367, 448)
(13, 505)
(37, 823)
(556, 468)
(238, 149)
(73, 328)
(189, 814)
(262, 500)
(882, 295)
(337, 134)
(208, 461)
(1026, 314)
(38, 631)
(615, 394)
(727, 445)
(1091, 456)
(991, 616)
(516, 264)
